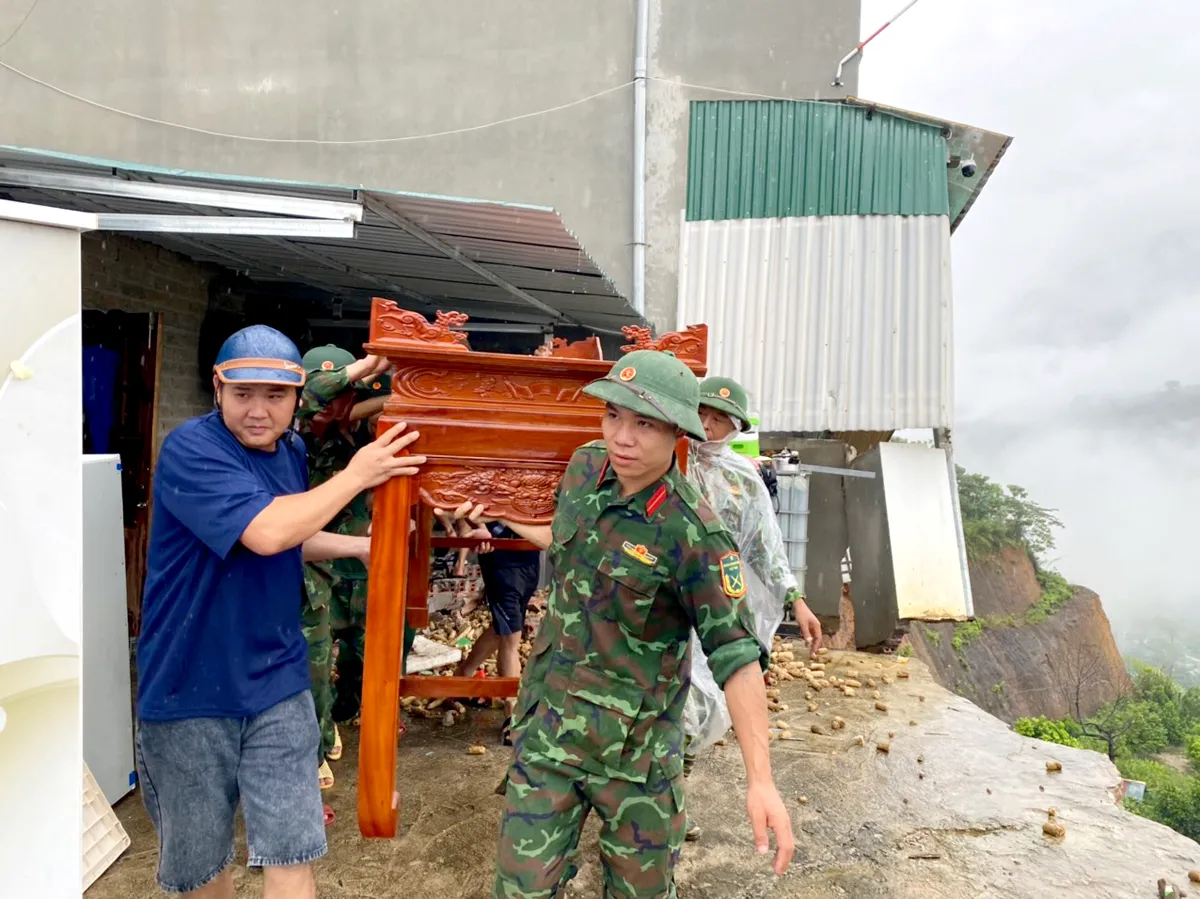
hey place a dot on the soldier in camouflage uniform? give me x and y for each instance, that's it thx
(735, 490)
(333, 418)
(639, 560)
(717, 473)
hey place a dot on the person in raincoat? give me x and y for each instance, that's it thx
(734, 488)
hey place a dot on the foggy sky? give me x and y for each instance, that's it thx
(1077, 271)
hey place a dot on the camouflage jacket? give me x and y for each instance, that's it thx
(607, 680)
(323, 420)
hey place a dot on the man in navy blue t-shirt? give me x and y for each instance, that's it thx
(224, 710)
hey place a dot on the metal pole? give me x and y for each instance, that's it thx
(640, 65)
(857, 51)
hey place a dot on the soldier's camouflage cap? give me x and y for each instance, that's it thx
(728, 396)
(326, 358)
(656, 385)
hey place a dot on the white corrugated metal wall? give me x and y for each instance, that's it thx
(839, 323)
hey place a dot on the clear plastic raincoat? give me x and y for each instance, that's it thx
(736, 492)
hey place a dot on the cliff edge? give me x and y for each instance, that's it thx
(1026, 654)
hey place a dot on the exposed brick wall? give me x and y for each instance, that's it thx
(134, 276)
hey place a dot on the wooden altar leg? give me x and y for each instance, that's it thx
(378, 801)
(416, 608)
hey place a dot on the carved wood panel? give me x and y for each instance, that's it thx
(520, 494)
(442, 384)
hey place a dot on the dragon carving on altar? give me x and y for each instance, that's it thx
(689, 345)
(395, 325)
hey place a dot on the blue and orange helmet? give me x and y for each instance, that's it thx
(259, 355)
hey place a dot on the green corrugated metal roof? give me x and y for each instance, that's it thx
(782, 158)
(962, 142)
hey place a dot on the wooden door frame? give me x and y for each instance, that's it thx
(150, 459)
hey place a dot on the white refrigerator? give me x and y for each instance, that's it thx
(107, 702)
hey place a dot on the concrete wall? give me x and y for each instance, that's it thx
(872, 583)
(773, 48)
(324, 86)
(133, 276)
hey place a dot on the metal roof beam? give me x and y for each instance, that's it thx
(246, 266)
(323, 260)
(386, 212)
(272, 204)
(238, 263)
(219, 225)
(328, 262)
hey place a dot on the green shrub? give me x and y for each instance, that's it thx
(1147, 734)
(1055, 592)
(1193, 752)
(1172, 798)
(1042, 728)
(966, 633)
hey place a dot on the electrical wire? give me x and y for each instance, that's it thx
(96, 104)
(310, 141)
(720, 90)
(21, 24)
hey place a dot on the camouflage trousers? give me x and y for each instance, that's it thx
(348, 622)
(348, 625)
(546, 804)
(315, 623)
(689, 757)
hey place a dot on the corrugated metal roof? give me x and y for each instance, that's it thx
(779, 158)
(965, 142)
(833, 323)
(528, 247)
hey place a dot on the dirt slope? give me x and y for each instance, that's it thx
(1067, 663)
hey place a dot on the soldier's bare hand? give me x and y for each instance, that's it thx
(810, 627)
(380, 460)
(768, 813)
(469, 512)
(367, 367)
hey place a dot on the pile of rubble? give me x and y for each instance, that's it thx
(458, 626)
(849, 675)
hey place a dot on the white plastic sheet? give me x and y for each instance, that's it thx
(736, 492)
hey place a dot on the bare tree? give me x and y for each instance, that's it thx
(1081, 673)
(1113, 721)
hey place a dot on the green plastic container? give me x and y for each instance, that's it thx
(747, 443)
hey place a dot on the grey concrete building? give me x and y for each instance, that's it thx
(529, 101)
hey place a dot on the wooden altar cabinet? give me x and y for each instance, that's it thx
(497, 429)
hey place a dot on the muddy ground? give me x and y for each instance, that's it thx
(953, 809)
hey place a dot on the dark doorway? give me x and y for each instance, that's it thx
(121, 364)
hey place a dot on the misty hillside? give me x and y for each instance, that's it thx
(1042, 655)
(1168, 639)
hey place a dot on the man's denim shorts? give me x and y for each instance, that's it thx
(194, 772)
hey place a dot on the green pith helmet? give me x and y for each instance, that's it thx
(326, 358)
(379, 385)
(728, 396)
(655, 385)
